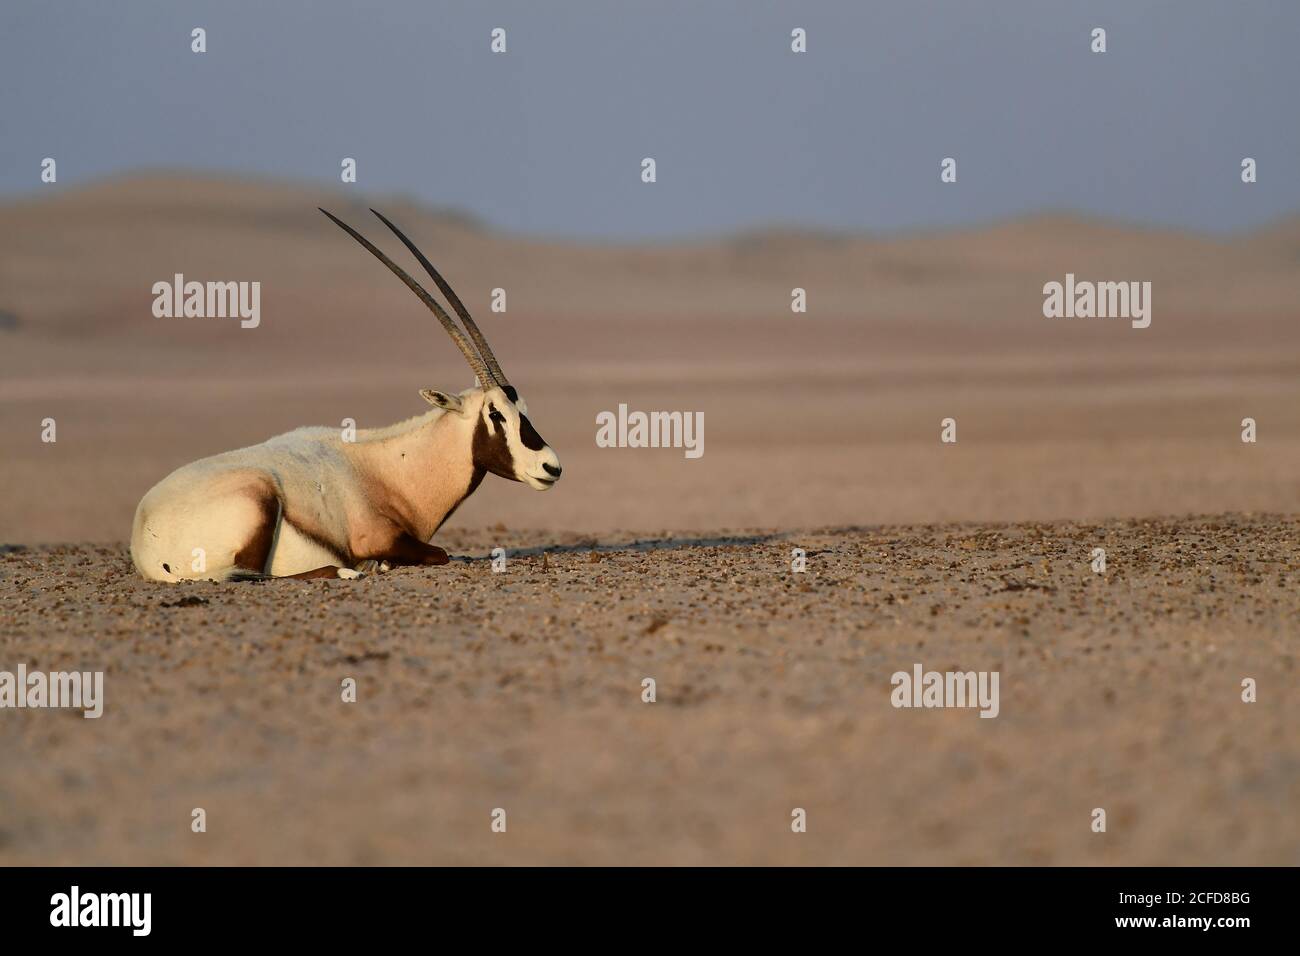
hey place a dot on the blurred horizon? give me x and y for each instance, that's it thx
(747, 135)
(350, 193)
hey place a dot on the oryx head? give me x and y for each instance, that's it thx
(505, 441)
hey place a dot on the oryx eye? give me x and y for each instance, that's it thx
(495, 415)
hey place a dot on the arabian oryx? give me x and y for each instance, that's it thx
(309, 504)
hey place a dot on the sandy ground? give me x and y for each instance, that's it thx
(522, 690)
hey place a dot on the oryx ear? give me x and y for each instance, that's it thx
(434, 397)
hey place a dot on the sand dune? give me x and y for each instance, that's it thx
(828, 417)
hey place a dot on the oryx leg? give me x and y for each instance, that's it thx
(329, 571)
(409, 551)
(255, 555)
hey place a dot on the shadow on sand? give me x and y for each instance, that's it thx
(640, 544)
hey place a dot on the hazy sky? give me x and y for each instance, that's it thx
(548, 137)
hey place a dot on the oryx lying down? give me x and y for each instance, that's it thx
(308, 504)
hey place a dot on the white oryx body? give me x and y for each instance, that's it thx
(309, 504)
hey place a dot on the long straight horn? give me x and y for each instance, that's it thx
(470, 326)
(475, 362)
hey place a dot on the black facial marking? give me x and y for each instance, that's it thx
(528, 434)
(510, 393)
(492, 453)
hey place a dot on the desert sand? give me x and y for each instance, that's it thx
(522, 690)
